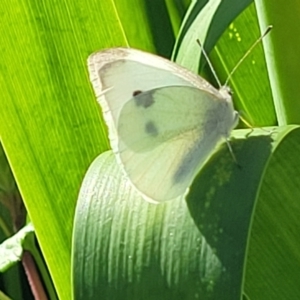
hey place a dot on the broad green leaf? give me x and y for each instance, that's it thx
(50, 124)
(173, 250)
(282, 56)
(272, 270)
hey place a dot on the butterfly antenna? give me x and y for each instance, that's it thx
(209, 63)
(248, 52)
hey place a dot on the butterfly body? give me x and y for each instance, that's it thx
(163, 120)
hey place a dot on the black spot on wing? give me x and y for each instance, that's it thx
(151, 129)
(143, 99)
(135, 93)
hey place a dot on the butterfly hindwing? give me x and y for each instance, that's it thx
(165, 135)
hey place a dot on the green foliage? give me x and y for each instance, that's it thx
(234, 234)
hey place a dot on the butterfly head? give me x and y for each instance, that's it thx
(230, 117)
(226, 93)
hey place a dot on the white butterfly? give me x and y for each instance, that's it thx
(163, 120)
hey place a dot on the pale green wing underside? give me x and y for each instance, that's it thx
(165, 136)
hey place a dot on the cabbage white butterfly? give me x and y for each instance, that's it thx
(163, 120)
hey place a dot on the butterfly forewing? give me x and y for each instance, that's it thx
(116, 74)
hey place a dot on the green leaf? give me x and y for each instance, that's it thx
(50, 124)
(205, 22)
(273, 257)
(177, 9)
(4, 297)
(282, 56)
(11, 249)
(174, 250)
